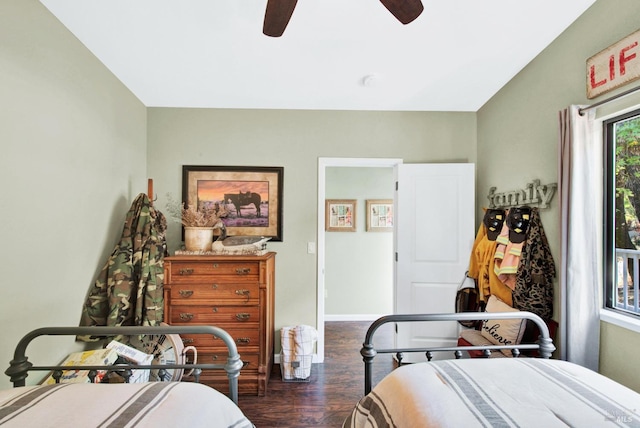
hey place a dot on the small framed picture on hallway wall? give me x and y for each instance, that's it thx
(340, 215)
(379, 215)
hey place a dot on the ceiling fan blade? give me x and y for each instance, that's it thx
(277, 16)
(404, 10)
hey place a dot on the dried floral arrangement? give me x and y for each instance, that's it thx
(193, 217)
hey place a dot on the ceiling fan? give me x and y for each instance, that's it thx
(279, 13)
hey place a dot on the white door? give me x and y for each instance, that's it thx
(435, 222)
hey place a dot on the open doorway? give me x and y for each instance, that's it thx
(359, 265)
(323, 165)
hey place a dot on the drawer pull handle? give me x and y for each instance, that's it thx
(214, 309)
(185, 316)
(214, 286)
(243, 340)
(243, 316)
(185, 271)
(243, 292)
(216, 358)
(186, 293)
(215, 265)
(187, 341)
(243, 271)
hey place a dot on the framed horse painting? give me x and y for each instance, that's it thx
(252, 196)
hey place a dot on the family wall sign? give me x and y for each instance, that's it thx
(533, 193)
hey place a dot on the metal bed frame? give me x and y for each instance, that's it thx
(20, 365)
(544, 345)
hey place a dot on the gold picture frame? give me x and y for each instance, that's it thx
(340, 215)
(257, 191)
(379, 215)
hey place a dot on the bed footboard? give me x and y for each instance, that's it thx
(20, 365)
(544, 345)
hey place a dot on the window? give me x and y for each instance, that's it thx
(622, 213)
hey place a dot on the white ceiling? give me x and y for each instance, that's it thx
(212, 53)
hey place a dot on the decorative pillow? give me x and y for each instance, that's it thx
(502, 332)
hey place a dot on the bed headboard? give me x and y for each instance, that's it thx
(544, 345)
(20, 365)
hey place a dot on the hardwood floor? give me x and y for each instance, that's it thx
(335, 386)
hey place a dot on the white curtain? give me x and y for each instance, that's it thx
(580, 192)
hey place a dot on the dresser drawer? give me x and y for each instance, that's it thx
(250, 361)
(247, 384)
(215, 314)
(244, 338)
(247, 381)
(188, 271)
(220, 293)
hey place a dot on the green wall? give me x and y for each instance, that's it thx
(73, 158)
(518, 133)
(295, 140)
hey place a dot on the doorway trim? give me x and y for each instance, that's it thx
(323, 164)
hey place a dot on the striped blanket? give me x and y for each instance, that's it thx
(155, 404)
(505, 392)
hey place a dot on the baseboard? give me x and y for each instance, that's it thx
(352, 317)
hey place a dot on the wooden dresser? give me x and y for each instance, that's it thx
(232, 292)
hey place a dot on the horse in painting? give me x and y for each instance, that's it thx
(242, 200)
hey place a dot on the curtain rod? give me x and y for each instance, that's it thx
(608, 100)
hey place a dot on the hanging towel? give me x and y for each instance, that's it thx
(287, 354)
(304, 340)
(297, 351)
(507, 258)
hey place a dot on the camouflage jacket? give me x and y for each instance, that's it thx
(129, 289)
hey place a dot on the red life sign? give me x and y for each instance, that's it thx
(614, 66)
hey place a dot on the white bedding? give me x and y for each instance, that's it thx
(505, 392)
(154, 404)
